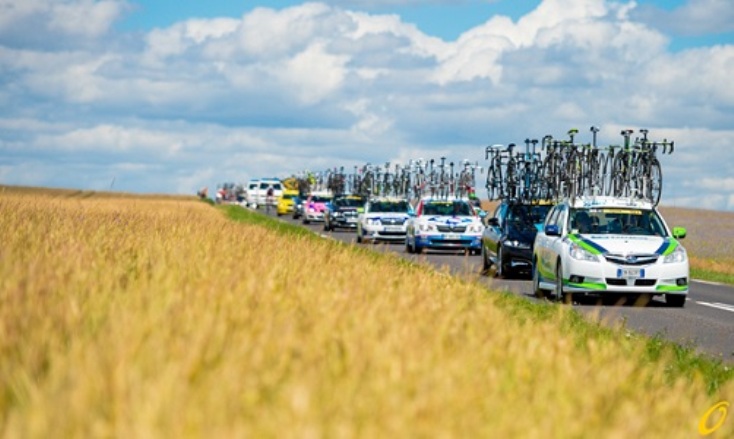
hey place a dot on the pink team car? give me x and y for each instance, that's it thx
(314, 207)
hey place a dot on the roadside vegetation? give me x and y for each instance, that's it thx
(163, 316)
(709, 241)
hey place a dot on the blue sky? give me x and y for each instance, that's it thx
(168, 96)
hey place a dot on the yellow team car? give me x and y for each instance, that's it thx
(285, 202)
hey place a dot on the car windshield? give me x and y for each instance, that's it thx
(389, 207)
(524, 217)
(616, 221)
(319, 199)
(448, 208)
(349, 202)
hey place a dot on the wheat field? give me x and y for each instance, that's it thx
(146, 317)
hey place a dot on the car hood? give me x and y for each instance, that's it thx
(379, 215)
(449, 220)
(625, 244)
(349, 209)
(522, 235)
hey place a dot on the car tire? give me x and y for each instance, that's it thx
(566, 298)
(675, 300)
(486, 265)
(500, 272)
(539, 293)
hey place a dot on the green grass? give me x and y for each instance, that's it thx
(712, 276)
(681, 361)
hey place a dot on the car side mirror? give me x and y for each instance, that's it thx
(552, 230)
(494, 222)
(679, 232)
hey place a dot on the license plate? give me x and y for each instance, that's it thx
(393, 229)
(351, 220)
(630, 273)
(451, 236)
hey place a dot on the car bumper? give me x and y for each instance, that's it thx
(343, 223)
(658, 278)
(517, 258)
(382, 233)
(314, 216)
(473, 242)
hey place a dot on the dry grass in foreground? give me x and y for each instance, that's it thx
(134, 317)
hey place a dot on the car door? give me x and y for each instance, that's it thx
(544, 245)
(493, 231)
(412, 220)
(556, 244)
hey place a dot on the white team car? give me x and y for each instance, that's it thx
(383, 219)
(444, 224)
(606, 245)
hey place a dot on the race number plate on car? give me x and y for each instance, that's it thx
(393, 229)
(451, 236)
(630, 273)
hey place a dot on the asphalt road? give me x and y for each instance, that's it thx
(706, 322)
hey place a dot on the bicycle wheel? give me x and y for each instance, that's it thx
(655, 182)
(494, 183)
(510, 185)
(604, 174)
(621, 177)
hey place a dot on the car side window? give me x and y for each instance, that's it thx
(500, 213)
(561, 220)
(553, 217)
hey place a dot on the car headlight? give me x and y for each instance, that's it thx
(581, 254)
(427, 227)
(517, 244)
(678, 255)
(373, 222)
(336, 213)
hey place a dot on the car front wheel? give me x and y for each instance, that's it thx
(486, 265)
(539, 293)
(501, 272)
(562, 297)
(675, 300)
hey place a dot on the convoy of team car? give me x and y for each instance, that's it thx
(574, 241)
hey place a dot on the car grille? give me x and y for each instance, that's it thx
(392, 221)
(451, 229)
(398, 233)
(641, 259)
(615, 282)
(350, 213)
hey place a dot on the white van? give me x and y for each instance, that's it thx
(262, 191)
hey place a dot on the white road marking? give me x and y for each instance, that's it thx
(708, 282)
(717, 305)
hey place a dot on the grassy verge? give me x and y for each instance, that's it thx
(713, 276)
(721, 270)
